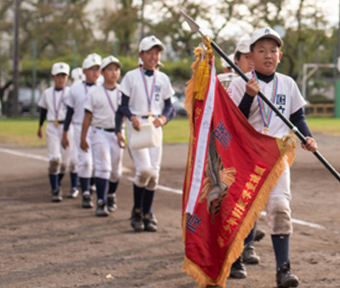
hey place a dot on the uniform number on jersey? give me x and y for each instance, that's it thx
(281, 101)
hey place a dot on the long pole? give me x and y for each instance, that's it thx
(193, 25)
(15, 110)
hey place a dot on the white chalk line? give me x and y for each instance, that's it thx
(161, 187)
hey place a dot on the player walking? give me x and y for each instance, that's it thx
(284, 93)
(53, 108)
(100, 109)
(146, 93)
(75, 114)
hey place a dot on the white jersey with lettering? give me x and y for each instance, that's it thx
(54, 102)
(138, 86)
(103, 104)
(284, 94)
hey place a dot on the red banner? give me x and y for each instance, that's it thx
(231, 169)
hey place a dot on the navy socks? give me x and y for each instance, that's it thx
(112, 187)
(54, 181)
(138, 195)
(281, 249)
(251, 235)
(101, 185)
(84, 184)
(147, 201)
(74, 179)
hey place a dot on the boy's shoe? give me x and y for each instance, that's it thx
(238, 269)
(101, 210)
(259, 234)
(150, 222)
(87, 200)
(249, 254)
(56, 195)
(111, 202)
(73, 193)
(284, 278)
(137, 220)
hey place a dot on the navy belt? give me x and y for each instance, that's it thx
(147, 116)
(59, 122)
(106, 129)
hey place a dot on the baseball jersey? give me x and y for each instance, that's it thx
(103, 104)
(287, 100)
(76, 99)
(141, 89)
(53, 101)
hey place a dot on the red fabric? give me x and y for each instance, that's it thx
(249, 156)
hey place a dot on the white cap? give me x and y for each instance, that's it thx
(60, 68)
(243, 46)
(108, 60)
(77, 75)
(92, 60)
(266, 33)
(225, 64)
(148, 42)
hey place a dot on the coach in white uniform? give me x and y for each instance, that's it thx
(100, 111)
(75, 113)
(53, 108)
(145, 92)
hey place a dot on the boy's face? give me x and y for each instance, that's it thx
(266, 56)
(245, 63)
(60, 80)
(92, 74)
(111, 73)
(150, 58)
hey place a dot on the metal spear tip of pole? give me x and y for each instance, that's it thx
(196, 28)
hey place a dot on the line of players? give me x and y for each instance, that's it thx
(85, 129)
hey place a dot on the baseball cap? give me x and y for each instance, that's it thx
(225, 64)
(266, 33)
(108, 60)
(243, 46)
(148, 42)
(77, 74)
(60, 68)
(92, 60)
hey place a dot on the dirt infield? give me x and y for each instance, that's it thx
(46, 244)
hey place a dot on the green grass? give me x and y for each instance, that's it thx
(23, 131)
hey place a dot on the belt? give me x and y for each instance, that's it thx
(106, 129)
(59, 122)
(147, 116)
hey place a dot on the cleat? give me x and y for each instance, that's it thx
(259, 235)
(284, 278)
(56, 195)
(150, 222)
(111, 202)
(137, 220)
(249, 254)
(87, 200)
(101, 210)
(238, 269)
(73, 193)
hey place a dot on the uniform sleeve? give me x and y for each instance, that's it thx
(168, 90)
(125, 86)
(237, 90)
(42, 102)
(88, 103)
(68, 99)
(297, 100)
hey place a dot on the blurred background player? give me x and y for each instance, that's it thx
(75, 114)
(77, 75)
(53, 108)
(100, 111)
(228, 73)
(146, 96)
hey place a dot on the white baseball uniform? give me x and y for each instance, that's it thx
(103, 104)
(147, 95)
(76, 99)
(288, 100)
(53, 101)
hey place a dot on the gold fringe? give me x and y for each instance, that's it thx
(287, 155)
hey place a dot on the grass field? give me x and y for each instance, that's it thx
(23, 131)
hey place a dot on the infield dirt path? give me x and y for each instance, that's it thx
(46, 244)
